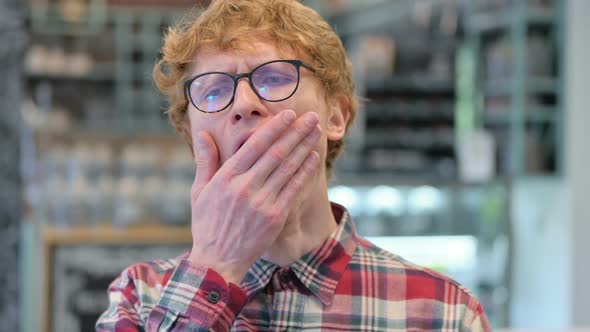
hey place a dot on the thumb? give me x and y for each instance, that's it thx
(207, 162)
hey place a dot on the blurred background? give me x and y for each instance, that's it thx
(469, 155)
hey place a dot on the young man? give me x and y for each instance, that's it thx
(262, 90)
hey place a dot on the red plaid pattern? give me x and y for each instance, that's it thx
(346, 284)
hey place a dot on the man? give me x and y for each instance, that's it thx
(262, 90)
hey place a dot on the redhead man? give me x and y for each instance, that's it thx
(262, 91)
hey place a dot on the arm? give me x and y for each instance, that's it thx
(196, 299)
(240, 207)
(238, 210)
(185, 302)
(121, 315)
(475, 319)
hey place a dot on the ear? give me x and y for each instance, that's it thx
(338, 115)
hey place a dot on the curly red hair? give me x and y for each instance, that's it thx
(226, 23)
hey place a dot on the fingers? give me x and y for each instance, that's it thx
(289, 151)
(289, 164)
(260, 141)
(207, 160)
(295, 184)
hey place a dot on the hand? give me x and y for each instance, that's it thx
(239, 209)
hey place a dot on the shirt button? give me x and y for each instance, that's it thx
(213, 296)
(284, 277)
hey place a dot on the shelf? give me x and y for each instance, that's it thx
(162, 4)
(374, 16)
(94, 77)
(532, 114)
(503, 87)
(113, 135)
(48, 20)
(371, 178)
(110, 235)
(501, 19)
(411, 85)
(413, 112)
(103, 74)
(55, 26)
(374, 178)
(525, 97)
(418, 138)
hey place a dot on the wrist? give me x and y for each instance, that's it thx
(230, 273)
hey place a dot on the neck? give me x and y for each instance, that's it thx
(308, 225)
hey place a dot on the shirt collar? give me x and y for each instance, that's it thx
(320, 269)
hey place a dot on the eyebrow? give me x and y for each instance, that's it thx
(251, 66)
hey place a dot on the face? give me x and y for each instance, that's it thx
(248, 112)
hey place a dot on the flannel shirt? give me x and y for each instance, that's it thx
(345, 284)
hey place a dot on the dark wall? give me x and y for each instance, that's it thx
(13, 39)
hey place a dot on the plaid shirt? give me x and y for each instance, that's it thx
(346, 284)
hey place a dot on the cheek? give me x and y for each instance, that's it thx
(194, 130)
(305, 100)
(199, 124)
(322, 148)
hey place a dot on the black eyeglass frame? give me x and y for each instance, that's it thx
(296, 63)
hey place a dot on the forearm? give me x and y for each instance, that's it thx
(193, 298)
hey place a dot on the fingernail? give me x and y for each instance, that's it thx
(289, 116)
(315, 154)
(314, 157)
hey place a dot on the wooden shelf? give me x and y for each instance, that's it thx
(110, 235)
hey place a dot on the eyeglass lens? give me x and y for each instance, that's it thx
(274, 81)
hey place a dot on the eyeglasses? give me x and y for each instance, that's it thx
(272, 81)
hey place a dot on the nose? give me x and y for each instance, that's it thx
(246, 103)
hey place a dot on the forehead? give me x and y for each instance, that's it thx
(240, 56)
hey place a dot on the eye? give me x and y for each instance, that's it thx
(276, 79)
(214, 93)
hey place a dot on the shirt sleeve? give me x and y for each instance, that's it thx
(476, 320)
(194, 298)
